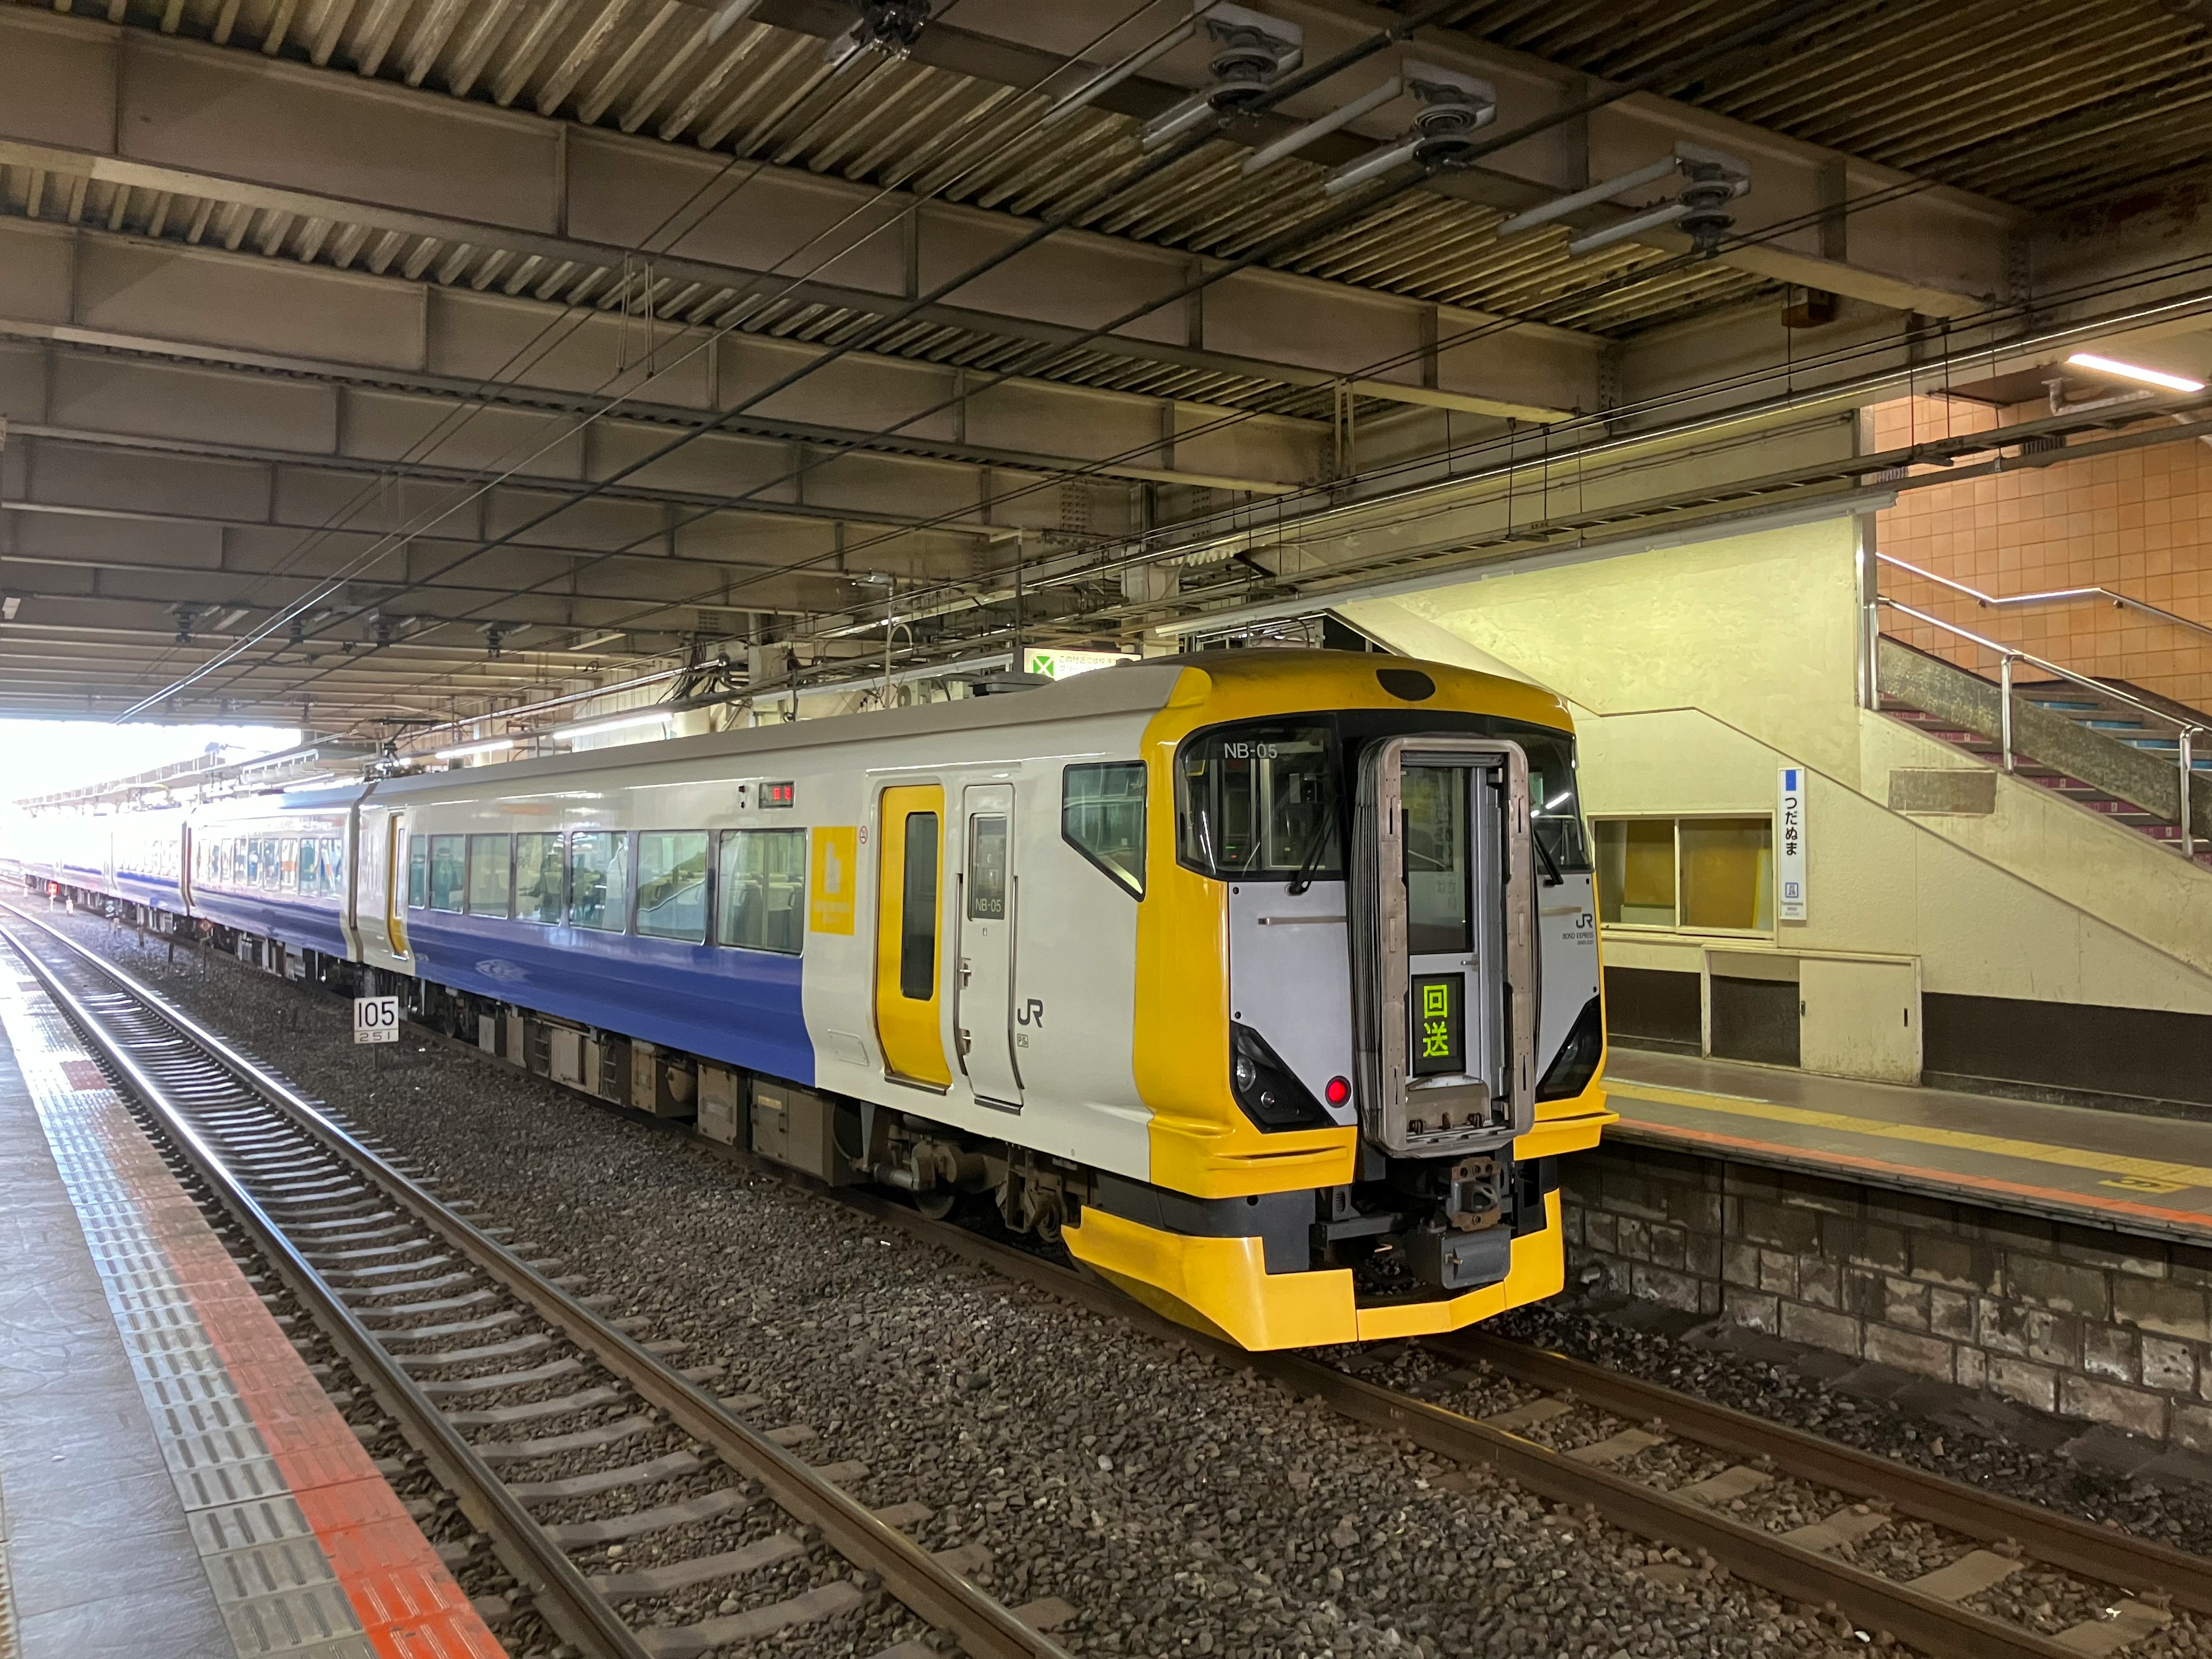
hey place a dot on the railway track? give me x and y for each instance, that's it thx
(634, 1513)
(1888, 1553)
(1689, 1476)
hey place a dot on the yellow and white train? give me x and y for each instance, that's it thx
(1267, 982)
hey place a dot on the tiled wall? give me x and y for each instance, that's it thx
(2139, 523)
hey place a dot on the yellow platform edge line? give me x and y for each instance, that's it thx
(2031, 1152)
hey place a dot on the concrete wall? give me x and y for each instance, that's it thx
(2085, 1323)
(1696, 672)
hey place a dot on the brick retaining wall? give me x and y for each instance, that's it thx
(2078, 1321)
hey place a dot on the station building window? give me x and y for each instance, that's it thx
(1708, 875)
(1101, 816)
(671, 885)
(541, 890)
(598, 880)
(761, 897)
(491, 873)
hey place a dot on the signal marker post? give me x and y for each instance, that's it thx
(376, 1019)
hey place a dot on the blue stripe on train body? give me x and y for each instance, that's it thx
(159, 891)
(742, 1008)
(311, 924)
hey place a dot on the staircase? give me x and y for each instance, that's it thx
(2080, 744)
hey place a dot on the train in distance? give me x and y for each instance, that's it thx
(1264, 981)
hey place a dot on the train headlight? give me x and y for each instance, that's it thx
(1268, 1090)
(1576, 1063)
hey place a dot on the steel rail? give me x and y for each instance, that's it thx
(2059, 1539)
(929, 1588)
(1800, 1575)
(1873, 1603)
(560, 1594)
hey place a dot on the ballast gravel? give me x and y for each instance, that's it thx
(1179, 1507)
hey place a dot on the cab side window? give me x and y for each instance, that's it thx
(1101, 816)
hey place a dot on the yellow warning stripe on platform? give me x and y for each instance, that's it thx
(2168, 1176)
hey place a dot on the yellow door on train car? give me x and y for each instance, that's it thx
(396, 896)
(909, 1012)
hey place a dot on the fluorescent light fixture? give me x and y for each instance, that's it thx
(1590, 197)
(1106, 80)
(1355, 173)
(1629, 227)
(728, 18)
(463, 750)
(2158, 377)
(618, 723)
(1292, 142)
(9, 606)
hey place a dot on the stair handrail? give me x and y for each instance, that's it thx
(2000, 601)
(2186, 731)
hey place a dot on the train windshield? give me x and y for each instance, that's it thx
(1268, 800)
(1261, 800)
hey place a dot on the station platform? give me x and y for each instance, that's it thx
(174, 1482)
(2139, 1174)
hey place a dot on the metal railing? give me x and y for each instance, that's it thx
(2186, 733)
(2054, 596)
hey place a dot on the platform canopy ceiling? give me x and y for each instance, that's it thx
(368, 361)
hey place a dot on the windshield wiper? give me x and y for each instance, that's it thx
(1552, 876)
(1322, 825)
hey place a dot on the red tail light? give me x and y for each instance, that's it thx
(1338, 1090)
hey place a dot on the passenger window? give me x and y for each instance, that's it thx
(671, 885)
(418, 873)
(598, 880)
(987, 869)
(761, 895)
(918, 916)
(311, 868)
(1101, 816)
(334, 880)
(490, 872)
(539, 891)
(288, 864)
(448, 872)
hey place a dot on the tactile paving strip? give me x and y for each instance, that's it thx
(193, 1327)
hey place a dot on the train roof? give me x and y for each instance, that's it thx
(1306, 680)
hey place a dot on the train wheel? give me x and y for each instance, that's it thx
(937, 1203)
